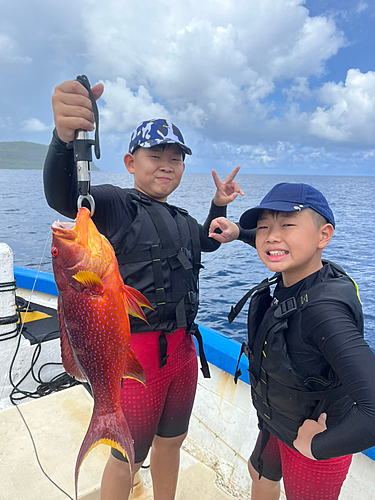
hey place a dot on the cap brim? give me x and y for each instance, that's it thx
(146, 144)
(184, 148)
(249, 219)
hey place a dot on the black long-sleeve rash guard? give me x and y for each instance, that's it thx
(329, 339)
(61, 191)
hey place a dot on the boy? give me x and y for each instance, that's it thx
(158, 248)
(311, 371)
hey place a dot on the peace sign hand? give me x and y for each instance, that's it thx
(228, 190)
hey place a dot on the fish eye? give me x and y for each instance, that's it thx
(54, 251)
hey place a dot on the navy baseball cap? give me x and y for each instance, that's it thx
(154, 132)
(289, 197)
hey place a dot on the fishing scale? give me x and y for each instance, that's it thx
(82, 152)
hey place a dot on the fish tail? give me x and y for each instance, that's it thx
(111, 429)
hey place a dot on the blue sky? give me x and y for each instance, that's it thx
(277, 86)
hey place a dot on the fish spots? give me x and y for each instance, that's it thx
(91, 303)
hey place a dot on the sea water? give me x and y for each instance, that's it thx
(25, 225)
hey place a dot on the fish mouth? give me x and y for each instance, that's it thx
(64, 229)
(71, 230)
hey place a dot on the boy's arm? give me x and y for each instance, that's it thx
(60, 178)
(226, 192)
(209, 244)
(351, 358)
(225, 231)
(72, 110)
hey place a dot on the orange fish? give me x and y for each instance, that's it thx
(93, 308)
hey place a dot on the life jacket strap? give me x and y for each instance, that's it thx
(286, 308)
(163, 346)
(265, 436)
(264, 284)
(244, 350)
(310, 396)
(194, 330)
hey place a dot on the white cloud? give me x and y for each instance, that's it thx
(299, 89)
(124, 109)
(349, 114)
(244, 80)
(5, 122)
(9, 51)
(35, 125)
(361, 6)
(212, 65)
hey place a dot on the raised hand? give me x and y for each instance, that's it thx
(229, 230)
(228, 190)
(306, 432)
(72, 108)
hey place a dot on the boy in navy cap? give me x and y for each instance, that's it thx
(158, 248)
(311, 371)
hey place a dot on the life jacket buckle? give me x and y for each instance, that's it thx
(286, 308)
(192, 297)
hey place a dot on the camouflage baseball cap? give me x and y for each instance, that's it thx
(153, 132)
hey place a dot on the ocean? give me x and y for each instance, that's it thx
(25, 221)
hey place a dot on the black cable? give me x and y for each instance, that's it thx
(37, 456)
(58, 383)
(9, 286)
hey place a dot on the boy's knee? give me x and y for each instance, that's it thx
(120, 467)
(165, 444)
(253, 473)
(263, 481)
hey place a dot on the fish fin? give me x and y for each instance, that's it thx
(89, 280)
(134, 300)
(133, 368)
(67, 356)
(111, 429)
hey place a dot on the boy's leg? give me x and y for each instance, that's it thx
(116, 482)
(263, 489)
(174, 421)
(164, 466)
(268, 486)
(317, 479)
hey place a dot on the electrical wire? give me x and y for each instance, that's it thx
(37, 456)
(59, 382)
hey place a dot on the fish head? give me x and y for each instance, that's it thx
(78, 246)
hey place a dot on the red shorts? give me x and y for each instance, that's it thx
(304, 479)
(164, 406)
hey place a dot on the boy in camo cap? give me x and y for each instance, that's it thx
(158, 249)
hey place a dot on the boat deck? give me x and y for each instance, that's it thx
(57, 424)
(222, 432)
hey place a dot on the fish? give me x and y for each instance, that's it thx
(93, 308)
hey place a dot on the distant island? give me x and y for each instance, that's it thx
(22, 155)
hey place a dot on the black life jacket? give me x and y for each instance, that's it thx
(160, 255)
(282, 396)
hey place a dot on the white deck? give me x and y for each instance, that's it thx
(58, 423)
(212, 467)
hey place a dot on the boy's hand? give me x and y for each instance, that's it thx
(306, 433)
(72, 108)
(229, 230)
(226, 191)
